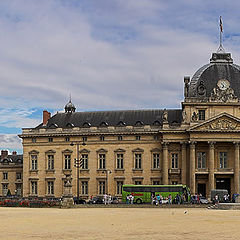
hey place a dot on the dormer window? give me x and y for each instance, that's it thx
(201, 115)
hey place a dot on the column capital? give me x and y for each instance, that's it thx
(236, 144)
(211, 144)
(192, 144)
(184, 144)
(165, 144)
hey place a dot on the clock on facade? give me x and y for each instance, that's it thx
(223, 84)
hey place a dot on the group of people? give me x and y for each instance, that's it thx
(195, 199)
(159, 199)
(129, 199)
(107, 199)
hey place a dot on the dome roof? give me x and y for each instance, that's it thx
(207, 79)
(69, 107)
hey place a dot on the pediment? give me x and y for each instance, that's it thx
(222, 122)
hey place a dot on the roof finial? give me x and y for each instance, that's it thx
(220, 49)
(70, 98)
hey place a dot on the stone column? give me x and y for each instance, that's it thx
(192, 167)
(211, 167)
(236, 168)
(184, 162)
(165, 164)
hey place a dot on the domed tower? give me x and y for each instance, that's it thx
(213, 89)
(69, 107)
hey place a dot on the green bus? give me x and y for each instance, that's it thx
(144, 193)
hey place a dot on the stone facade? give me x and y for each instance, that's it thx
(197, 145)
(11, 172)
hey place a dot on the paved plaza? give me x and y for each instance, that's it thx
(118, 223)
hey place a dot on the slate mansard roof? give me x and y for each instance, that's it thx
(13, 159)
(220, 67)
(113, 118)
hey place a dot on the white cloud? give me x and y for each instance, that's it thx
(109, 54)
(10, 141)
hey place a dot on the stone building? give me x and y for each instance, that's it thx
(197, 145)
(11, 167)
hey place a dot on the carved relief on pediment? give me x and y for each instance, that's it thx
(221, 124)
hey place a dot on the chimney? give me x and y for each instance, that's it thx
(186, 86)
(4, 153)
(14, 153)
(46, 116)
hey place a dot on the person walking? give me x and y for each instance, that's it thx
(127, 199)
(170, 199)
(158, 199)
(105, 199)
(132, 198)
(152, 198)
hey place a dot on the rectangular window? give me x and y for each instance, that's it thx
(156, 160)
(34, 189)
(5, 176)
(119, 187)
(50, 187)
(18, 189)
(138, 138)
(120, 138)
(223, 159)
(50, 139)
(102, 138)
(201, 158)
(102, 161)
(84, 139)
(138, 161)
(4, 189)
(138, 182)
(50, 162)
(120, 161)
(18, 176)
(102, 187)
(155, 137)
(34, 140)
(67, 139)
(174, 157)
(34, 165)
(84, 187)
(156, 182)
(84, 161)
(67, 162)
(201, 114)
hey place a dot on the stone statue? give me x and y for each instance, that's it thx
(184, 116)
(219, 95)
(194, 117)
(165, 116)
(67, 201)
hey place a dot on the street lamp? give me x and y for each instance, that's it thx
(108, 171)
(78, 163)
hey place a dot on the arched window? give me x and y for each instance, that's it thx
(103, 124)
(86, 124)
(69, 125)
(121, 124)
(156, 123)
(139, 123)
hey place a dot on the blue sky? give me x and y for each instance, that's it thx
(109, 54)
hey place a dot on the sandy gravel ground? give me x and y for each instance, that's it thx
(118, 223)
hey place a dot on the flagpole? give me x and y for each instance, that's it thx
(220, 49)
